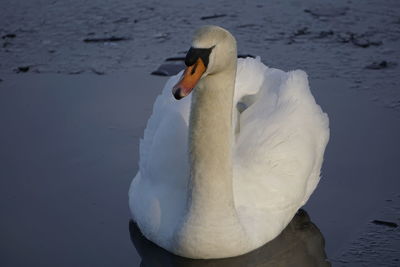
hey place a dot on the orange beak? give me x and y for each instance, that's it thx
(189, 79)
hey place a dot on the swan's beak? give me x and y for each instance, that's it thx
(189, 79)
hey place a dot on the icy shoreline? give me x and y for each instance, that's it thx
(354, 40)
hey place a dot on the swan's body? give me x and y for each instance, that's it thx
(214, 182)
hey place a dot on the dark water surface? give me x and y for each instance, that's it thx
(68, 154)
(69, 149)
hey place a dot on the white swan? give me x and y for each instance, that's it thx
(223, 172)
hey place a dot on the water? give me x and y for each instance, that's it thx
(69, 152)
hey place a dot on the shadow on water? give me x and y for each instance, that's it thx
(300, 244)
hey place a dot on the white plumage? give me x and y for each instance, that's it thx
(279, 135)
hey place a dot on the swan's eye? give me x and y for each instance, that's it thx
(195, 53)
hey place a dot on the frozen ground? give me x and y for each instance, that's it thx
(69, 141)
(325, 38)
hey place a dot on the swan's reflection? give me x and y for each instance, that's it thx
(300, 244)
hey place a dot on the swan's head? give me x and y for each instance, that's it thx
(213, 50)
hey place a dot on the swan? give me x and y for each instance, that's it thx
(223, 170)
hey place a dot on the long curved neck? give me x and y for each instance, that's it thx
(210, 145)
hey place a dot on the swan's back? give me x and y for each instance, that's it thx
(279, 147)
(281, 134)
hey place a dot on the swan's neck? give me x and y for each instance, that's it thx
(210, 144)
